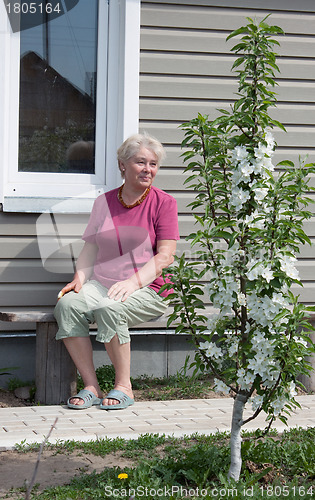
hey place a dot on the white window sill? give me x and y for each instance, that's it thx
(54, 205)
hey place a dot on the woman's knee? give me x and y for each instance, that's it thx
(63, 304)
(70, 306)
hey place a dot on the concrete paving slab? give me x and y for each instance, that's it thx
(177, 418)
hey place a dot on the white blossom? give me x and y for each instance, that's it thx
(237, 178)
(292, 391)
(233, 348)
(257, 401)
(255, 220)
(264, 150)
(255, 268)
(211, 350)
(223, 294)
(220, 386)
(264, 309)
(241, 297)
(239, 153)
(270, 141)
(238, 197)
(212, 321)
(267, 274)
(246, 169)
(257, 338)
(271, 375)
(260, 194)
(278, 405)
(245, 379)
(287, 266)
(299, 340)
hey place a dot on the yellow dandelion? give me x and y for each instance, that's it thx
(123, 476)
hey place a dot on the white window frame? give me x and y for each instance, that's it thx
(117, 116)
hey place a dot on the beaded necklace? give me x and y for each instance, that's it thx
(138, 202)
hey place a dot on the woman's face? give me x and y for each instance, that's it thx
(140, 169)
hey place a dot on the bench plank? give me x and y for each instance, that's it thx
(27, 316)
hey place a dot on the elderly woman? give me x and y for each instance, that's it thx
(130, 238)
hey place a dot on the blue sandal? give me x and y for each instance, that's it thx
(124, 400)
(87, 396)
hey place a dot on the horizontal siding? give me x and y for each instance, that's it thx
(216, 88)
(25, 280)
(181, 110)
(185, 68)
(215, 17)
(26, 225)
(290, 5)
(29, 294)
(218, 65)
(32, 270)
(193, 42)
(306, 251)
(187, 225)
(174, 163)
(13, 247)
(300, 136)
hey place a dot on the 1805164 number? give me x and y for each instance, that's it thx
(33, 8)
(284, 491)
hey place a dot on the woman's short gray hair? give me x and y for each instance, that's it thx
(131, 146)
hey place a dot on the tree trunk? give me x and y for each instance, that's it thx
(236, 440)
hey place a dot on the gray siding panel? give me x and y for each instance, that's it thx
(25, 280)
(218, 65)
(181, 110)
(214, 16)
(185, 68)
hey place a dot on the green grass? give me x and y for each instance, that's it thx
(186, 468)
(178, 386)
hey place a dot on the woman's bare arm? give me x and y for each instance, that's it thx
(84, 268)
(148, 273)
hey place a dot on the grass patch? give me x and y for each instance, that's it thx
(277, 466)
(178, 386)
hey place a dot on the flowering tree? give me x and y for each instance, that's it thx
(249, 228)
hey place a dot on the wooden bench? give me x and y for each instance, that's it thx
(55, 372)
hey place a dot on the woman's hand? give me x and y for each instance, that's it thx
(75, 285)
(122, 290)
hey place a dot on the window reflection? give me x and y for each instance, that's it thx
(58, 93)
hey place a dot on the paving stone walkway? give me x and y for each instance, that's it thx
(178, 418)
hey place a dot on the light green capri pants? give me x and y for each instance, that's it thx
(75, 311)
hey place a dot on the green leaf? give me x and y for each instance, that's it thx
(239, 31)
(278, 124)
(285, 163)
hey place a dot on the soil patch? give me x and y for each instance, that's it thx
(8, 400)
(55, 469)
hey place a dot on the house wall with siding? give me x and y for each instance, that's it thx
(185, 69)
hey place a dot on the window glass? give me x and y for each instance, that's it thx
(58, 69)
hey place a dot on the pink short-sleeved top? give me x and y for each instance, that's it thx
(127, 237)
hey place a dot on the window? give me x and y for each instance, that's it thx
(70, 95)
(58, 86)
